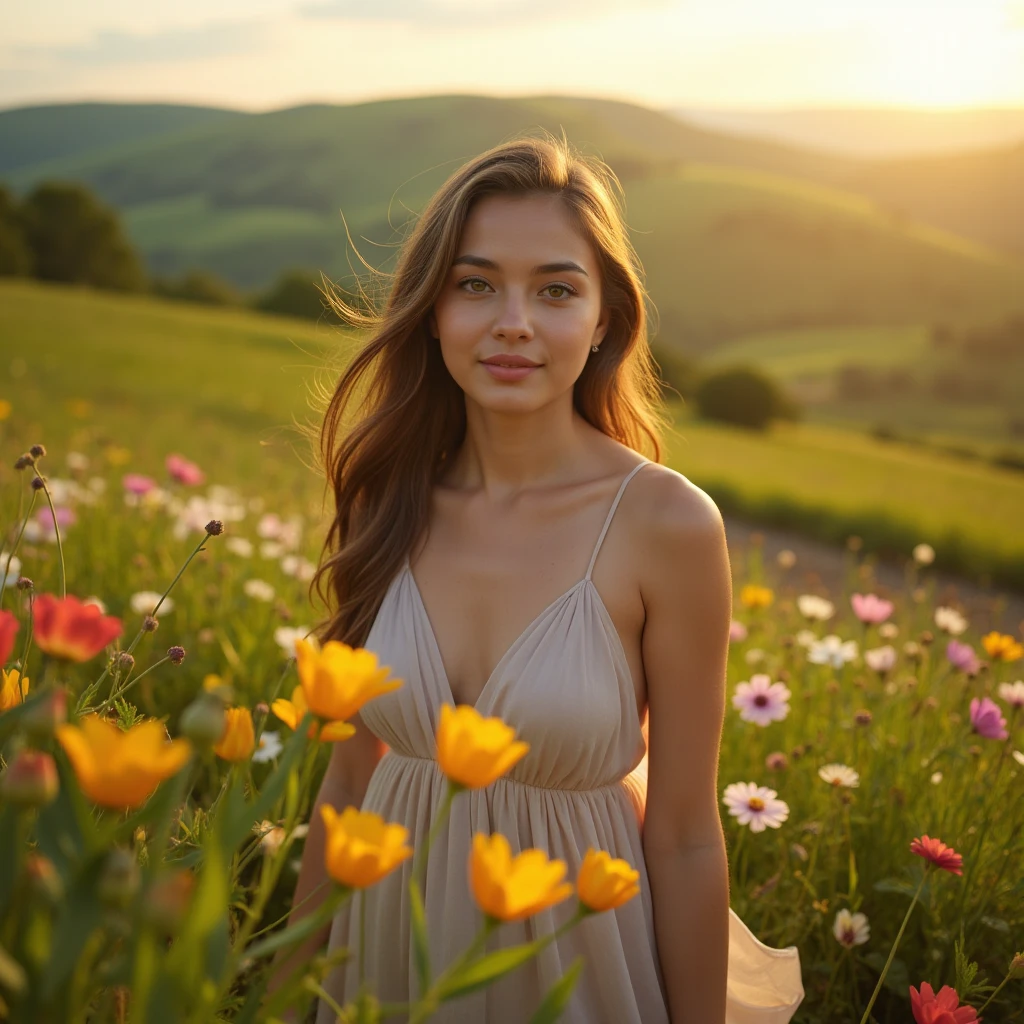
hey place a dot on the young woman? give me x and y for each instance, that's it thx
(500, 541)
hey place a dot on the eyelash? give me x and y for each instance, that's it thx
(568, 287)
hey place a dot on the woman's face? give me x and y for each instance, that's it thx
(526, 285)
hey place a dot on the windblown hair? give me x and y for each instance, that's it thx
(410, 415)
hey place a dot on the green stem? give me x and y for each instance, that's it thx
(420, 861)
(60, 544)
(996, 992)
(16, 545)
(892, 952)
(128, 685)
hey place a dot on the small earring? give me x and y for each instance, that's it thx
(593, 348)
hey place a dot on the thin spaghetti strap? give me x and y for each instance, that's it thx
(611, 513)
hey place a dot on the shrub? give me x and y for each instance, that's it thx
(742, 396)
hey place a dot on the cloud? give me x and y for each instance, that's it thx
(469, 13)
(113, 47)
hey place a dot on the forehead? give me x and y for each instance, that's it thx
(524, 228)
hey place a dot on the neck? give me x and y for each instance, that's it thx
(504, 453)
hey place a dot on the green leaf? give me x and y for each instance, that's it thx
(482, 972)
(302, 928)
(558, 995)
(419, 935)
(853, 875)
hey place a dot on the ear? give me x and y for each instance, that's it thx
(601, 329)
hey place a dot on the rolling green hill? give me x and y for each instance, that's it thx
(734, 234)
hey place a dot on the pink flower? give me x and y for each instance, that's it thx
(136, 483)
(944, 1008)
(65, 517)
(941, 855)
(987, 719)
(761, 700)
(871, 608)
(183, 471)
(737, 631)
(962, 657)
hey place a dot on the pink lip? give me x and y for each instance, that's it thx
(509, 372)
(505, 359)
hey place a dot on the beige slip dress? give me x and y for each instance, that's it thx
(566, 687)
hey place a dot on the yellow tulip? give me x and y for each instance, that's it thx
(14, 689)
(291, 712)
(360, 847)
(337, 680)
(472, 750)
(753, 596)
(1002, 646)
(121, 769)
(605, 882)
(510, 888)
(238, 740)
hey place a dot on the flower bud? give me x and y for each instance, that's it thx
(44, 879)
(150, 624)
(23, 461)
(203, 720)
(30, 780)
(120, 879)
(862, 717)
(176, 654)
(214, 527)
(167, 901)
(37, 451)
(38, 483)
(1017, 966)
(24, 583)
(124, 662)
(42, 717)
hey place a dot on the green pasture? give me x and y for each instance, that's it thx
(227, 388)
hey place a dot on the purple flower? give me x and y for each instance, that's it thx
(761, 700)
(962, 657)
(871, 608)
(987, 719)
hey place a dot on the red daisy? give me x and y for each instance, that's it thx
(941, 855)
(943, 1008)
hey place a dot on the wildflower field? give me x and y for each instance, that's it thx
(164, 726)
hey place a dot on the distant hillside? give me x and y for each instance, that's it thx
(979, 194)
(36, 135)
(734, 234)
(870, 133)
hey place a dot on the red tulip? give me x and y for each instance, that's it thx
(8, 629)
(66, 628)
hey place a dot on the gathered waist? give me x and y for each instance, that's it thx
(616, 785)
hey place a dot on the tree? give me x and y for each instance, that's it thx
(15, 255)
(744, 397)
(199, 286)
(76, 238)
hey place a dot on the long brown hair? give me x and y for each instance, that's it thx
(409, 414)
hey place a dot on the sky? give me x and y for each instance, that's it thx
(731, 54)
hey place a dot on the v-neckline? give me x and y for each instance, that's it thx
(407, 568)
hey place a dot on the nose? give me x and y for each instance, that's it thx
(512, 322)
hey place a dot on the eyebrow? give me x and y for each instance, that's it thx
(543, 268)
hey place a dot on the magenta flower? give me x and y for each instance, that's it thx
(987, 719)
(183, 471)
(136, 483)
(65, 517)
(871, 608)
(962, 657)
(761, 700)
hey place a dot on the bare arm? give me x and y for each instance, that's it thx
(687, 594)
(348, 772)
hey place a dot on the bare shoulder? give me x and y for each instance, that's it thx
(670, 512)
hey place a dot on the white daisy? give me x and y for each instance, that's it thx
(924, 554)
(1018, 756)
(881, 659)
(832, 651)
(756, 806)
(285, 637)
(936, 778)
(269, 747)
(9, 575)
(851, 929)
(1013, 693)
(239, 546)
(806, 637)
(838, 775)
(813, 607)
(259, 589)
(950, 620)
(145, 601)
(299, 568)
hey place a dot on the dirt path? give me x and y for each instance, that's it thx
(822, 564)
